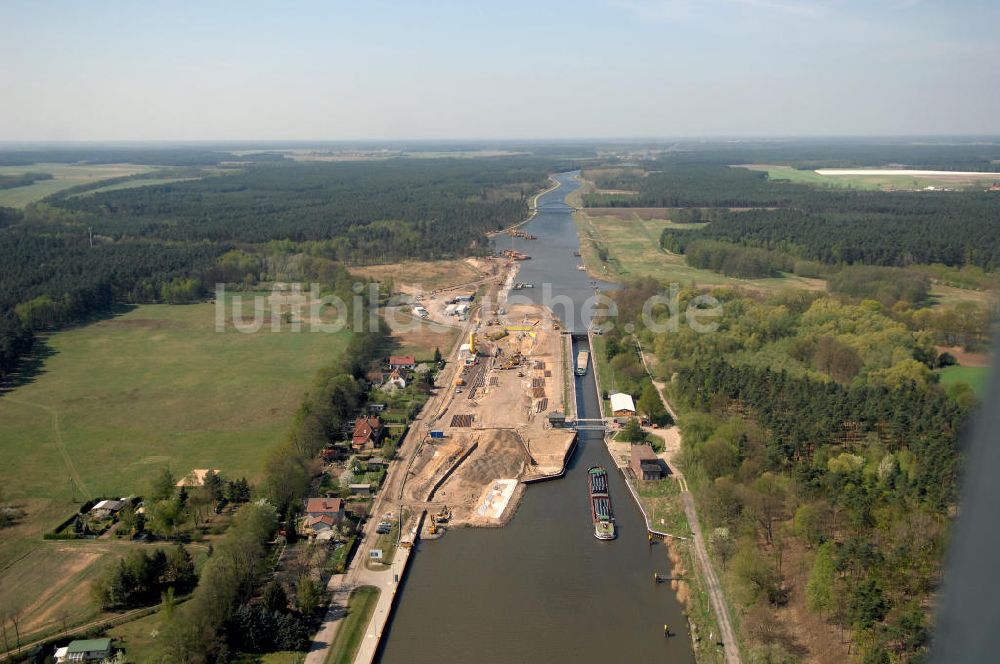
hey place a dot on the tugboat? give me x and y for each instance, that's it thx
(600, 503)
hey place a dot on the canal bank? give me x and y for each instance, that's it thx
(543, 589)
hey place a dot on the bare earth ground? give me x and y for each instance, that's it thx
(966, 358)
(424, 275)
(506, 410)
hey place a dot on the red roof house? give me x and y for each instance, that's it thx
(367, 433)
(402, 362)
(324, 507)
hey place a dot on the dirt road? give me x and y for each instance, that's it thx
(715, 596)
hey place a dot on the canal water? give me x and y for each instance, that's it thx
(542, 588)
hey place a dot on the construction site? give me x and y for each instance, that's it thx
(493, 432)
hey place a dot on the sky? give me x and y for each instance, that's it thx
(333, 70)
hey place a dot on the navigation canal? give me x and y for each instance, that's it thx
(542, 588)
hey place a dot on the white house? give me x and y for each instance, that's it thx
(622, 405)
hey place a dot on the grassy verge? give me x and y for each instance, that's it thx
(599, 358)
(360, 608)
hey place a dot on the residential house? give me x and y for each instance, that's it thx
(644, 463)
(84, 650)
(368, 433)
(321, 523)
(329, 507)
(622, 405)
(397, 380)
(402, 362)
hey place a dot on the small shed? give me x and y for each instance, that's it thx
(644, 463)
(360, 489)
(557, 420)
(622, 405)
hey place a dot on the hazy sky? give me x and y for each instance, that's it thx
(209, 69)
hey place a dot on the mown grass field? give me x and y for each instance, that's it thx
(976, 377)
(155, 386)
(633, 245)
(64, 177)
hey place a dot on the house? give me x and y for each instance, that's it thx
(368, 432)
(402, 362)
(106, 508)
(329, 507)
(321, 523)
(644, 463)
(622, 405)
(397, 380)
(84, 650)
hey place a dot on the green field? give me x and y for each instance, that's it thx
(64, 177)
(360, 608)
(157, 386)
(976, 377)
(633, 245)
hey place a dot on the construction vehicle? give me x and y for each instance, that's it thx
(443, 516)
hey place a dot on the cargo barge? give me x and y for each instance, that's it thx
(582, 360)
(600, 503)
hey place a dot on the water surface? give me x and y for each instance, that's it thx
(543, 589)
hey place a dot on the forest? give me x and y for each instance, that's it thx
(815, 431)
(69, 258)
(375, 211)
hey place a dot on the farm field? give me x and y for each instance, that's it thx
(632, 240)
(871, 179)
(64, 177)
(151, 387)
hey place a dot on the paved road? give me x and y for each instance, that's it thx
(715, 596)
